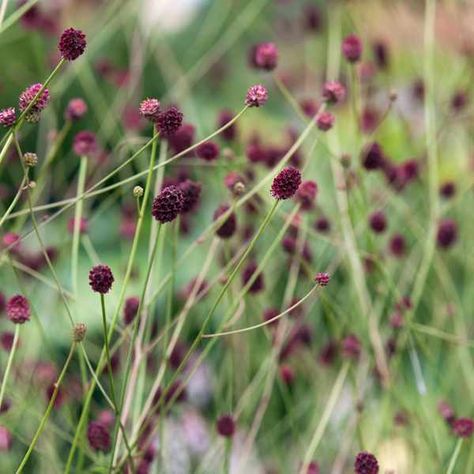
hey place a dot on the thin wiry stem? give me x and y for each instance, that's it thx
(11, 355)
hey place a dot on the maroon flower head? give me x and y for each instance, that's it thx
(265, 56)
(325, 121)
(225, 116)
(208, 151)
(313, 468)
(397, 245)
(366, 463)
(191, 192)
(226, 425)
(334, 92)
(130, 309)
(256, 96)
(18, 309)
(352, 48)
(7, 116)
(448, 189)
(85, 143)
(378, 222)
(306, 194)
(183, 138)
(286, 183)
(447, 233)
(322, 225)
(351, 346)
(150, 109)
(463, 427)
(248, 274)
(28, 95)
(228, 227)
(373, 157)
(169, 121)
(101, 279)
(98, 436)
(322, 278)
(167, 204)
(76, 109)
(72, 44)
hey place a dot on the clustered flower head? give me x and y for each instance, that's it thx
(76, 109)
(306, 194)
(101, 279)
(208, 151)
(18, 309)
(366, 463)
(79, 332)
(265, 56)
(352, 48)
(168, 204)
(256, 96)
(463, 427)
(226, 425)
(27, 97)
(7, 116)
(191, 192)
(286, 183)
(85, 143)
(228, 227)
(378, 221)
(169, 121)
(334, 92)
(322, 278)
(325, 121)
(72, 44)
(447, 233)
(150, 109)
(130, 309)
(98, 436)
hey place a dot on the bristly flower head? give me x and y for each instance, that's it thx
(169, 121)
(265, 56)
(18, 309)
(366, 463)
(85, 143)
(150, 109)
(168, 204)
(72, 44)
(208, 151)
(322, 278)
(352, 48)
(101, 279)
(227, 229)
(7, 116)
(286, 183)
(28, 95)
(306, 194)
(334, 92)
(463, 427)
(325, 121)
(256, 96)
(98, 436)
(226, 425)
(191, 192)
(76, 109)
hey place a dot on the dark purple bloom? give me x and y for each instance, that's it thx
(447, 233)
(397, 245)
(306, 194)
(381, 54)
(334, 92)
(226, 425)
(249, 274)
(85, 143)
(325, 121)
(150, 109)
(5, 439)
(72, 44)
(130, 309)
(183, 138)
(191, 192)
(18, 309)
(366, 463)
(463, 427)
(228, 227)
(351, 346)
(7, 116)
(101, 279)
(322, 224)
(208, 151)
(312, 18)
(265, 56)
(98, 436)
(256, 96)
(168, 204)
(169, 121)
(378, 221)
(373, 157)
(76, 109)
(352, 48)
(225, 116)
(448, 189)
(459, 101)
(286, 183)
(28, 95)
(322, 278)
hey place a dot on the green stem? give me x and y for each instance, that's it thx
(9, 362)
(454, 456)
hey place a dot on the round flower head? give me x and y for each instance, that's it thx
(169, 121)
(306, 194)
(18, 309)
(76, 109)
(228, 227)
(7, 117)
(378, 222)
(191, 192)
(168, 204)
(72, 44)
(352, 48)
(447, 233)
(226, 425)
(30, 159)
(182, 139)
(463, 427)
(322, 278)
(286, 183)
(130, 309)
(334, 92)
(98, 436)
(256, 96)
(373, 157)
(265, 56)
(28, 96)
(397, 245)
(351, 346)
(248, 274)
(85, 143)
(101, 279)
(225, 116)
(325, 121)
(448, 189)
(208, 151)
(366, 463)
(150, 109)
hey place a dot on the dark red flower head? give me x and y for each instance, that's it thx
(130, 309)
(225, 116)
(366, 463)
(150, 109)
(334, 92)
(7, 117)
(228, 227)
(76, 109)
(256, 96)
(18, 309)
(98, 436)
(397, 245)
(85, 143)
(167, 204)
(101, 279)
(325, 121)
(286, 183)
(208, 151)
(169, 121)
(191, 192)
(378, 221)
(28, 95)
(463, 427)
(306, 194)
(313, 468)
(352, 48)
(226, 425)
(447, 233)
(322, 278)
(182, 139)
(265, 56)
(373, 157)
(448, 189)
(249, 274)
(72, 44)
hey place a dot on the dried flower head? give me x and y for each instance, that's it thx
(366, 463)
(72, 44)
(101, 279)
(30, 159)
(352, 48)
(168, 204)
(150, 109)
(256, 96)
(18, 309)
(169, 121)
(79, 332)
(7, 116)
(228, 227)
(286, 183)
(76, 109)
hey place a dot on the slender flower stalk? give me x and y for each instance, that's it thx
(11, 356)
(454, 456)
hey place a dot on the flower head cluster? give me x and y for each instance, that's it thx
(169, 121)
(32, 100)
(256, 96)
(168, 204)
(286, 183)
(352, 48)
(18, 309)
(366, 463)
(264, 56)
(101, 279)
(7, 117)
(72, 44)
(150, 109)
